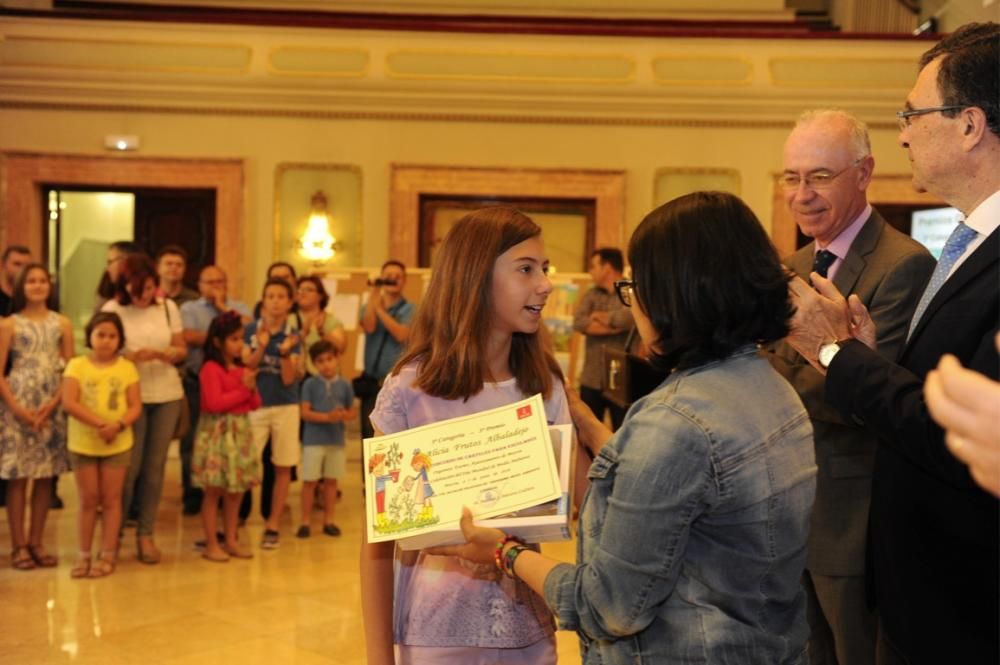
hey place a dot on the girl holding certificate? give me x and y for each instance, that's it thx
(692, 535)
(474, 345)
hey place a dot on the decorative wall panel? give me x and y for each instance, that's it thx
(294, 186)
(38, 51)
(297, 61)
(669, 183)
(567, 68)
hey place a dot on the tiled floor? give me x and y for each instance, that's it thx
(297, 604)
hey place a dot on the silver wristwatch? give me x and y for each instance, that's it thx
(826, 354)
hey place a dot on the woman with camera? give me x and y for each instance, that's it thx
(692, 535)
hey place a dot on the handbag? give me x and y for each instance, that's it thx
(183, 425)
(627, 375)
(365, 385)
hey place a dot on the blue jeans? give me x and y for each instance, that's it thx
(144, 481)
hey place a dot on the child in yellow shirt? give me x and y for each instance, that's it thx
(101, 395)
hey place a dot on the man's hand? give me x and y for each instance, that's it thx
(375, 298)
(217, 296)
(821, 316)
(862, 325)
(604, 318)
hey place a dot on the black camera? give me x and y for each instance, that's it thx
(378, 281)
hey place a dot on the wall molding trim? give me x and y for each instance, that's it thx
(390, 116)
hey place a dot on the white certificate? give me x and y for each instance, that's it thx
(495, 462)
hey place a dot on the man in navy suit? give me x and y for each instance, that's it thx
(827, 169)
(933, 537)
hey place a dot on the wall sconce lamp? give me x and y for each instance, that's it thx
(317, 244)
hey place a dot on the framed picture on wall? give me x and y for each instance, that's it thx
(567, 225)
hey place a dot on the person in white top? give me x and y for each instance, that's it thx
(154, 342)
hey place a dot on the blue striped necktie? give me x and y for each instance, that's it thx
(953, 248)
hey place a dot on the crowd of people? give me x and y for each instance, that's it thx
(795, 491)
(242, 389)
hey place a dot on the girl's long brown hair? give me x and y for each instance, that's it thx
(452, 326)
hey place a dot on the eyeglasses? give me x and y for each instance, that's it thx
(904, 116)
(624, 288)
(817, 179)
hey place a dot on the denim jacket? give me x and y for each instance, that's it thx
(693, 532)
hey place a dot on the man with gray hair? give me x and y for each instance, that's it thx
(827, 169)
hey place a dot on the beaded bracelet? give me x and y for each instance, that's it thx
(511, 557)
(498, 553)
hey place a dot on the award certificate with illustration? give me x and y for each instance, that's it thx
(495, 462)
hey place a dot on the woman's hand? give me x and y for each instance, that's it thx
(480, 542)
(145, 355)
(171, 355)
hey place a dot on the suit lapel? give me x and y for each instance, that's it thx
(856, 260)
(801, 261)
(984, 257)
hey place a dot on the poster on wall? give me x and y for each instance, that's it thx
(558, 318)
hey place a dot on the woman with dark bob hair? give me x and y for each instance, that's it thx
(693, 530)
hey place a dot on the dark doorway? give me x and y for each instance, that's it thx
(184, 217)
(83, 221)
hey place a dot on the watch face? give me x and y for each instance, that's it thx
(826, 353)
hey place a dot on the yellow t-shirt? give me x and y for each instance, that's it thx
(102, 391)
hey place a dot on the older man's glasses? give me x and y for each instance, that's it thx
(816, 179)
(904, 116)
(624, 288)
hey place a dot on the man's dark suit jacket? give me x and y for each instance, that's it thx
(887, 270)
(934, 556)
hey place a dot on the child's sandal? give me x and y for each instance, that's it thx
(21, 558)
(81, 568)
(103, 566)
(42, 558)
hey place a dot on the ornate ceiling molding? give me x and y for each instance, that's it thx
(335, 74)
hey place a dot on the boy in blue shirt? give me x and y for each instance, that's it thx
(327, 401)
